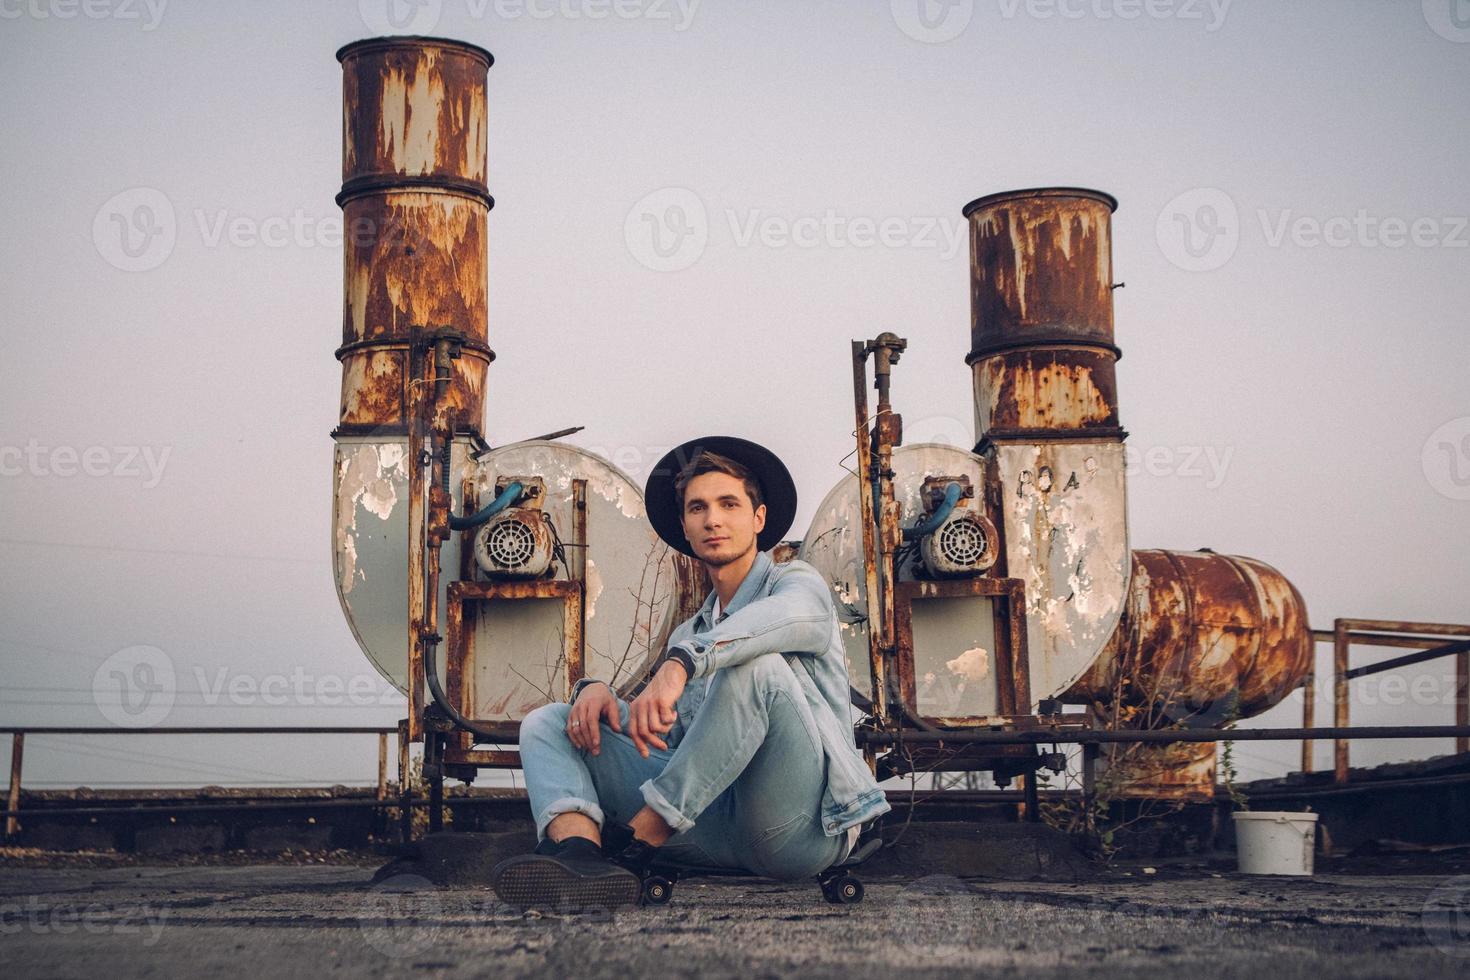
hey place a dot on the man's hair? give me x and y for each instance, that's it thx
(707, 462)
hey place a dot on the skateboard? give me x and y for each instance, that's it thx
(839, 885)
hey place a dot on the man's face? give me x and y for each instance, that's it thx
(719, 522)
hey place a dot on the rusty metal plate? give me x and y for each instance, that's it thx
(1066, 535)
(630, 572)
(370, 546)
(630, 584)
(834, 546)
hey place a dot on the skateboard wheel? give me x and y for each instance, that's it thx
(844, 890)
(657, 890)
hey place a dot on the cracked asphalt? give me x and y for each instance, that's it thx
(316, 921)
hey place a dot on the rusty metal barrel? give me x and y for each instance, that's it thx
(1204, 639)
(415, 203)
(1041, 314)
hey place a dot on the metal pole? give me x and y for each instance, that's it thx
(1084, 736)
(382, 766)
(195, 730)
(1340, 698)
(878, 667)
(576, 647)
(405, 789)
(1398, 626)
(1462, 699)
(1089, 775)
(1309, 710)
(17, 750)
(418, 500)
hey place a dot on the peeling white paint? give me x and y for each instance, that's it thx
(411, 116)
(594, 588)
(367, 475)
(972, 665)
(1068, 540)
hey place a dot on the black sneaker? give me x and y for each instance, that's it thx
(620, 847)
(567, 877)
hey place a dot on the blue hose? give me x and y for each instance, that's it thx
(941, 513)
(507, 497)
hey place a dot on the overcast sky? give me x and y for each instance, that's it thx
(1292, 232)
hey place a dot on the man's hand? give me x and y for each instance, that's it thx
(652, 713)
(595, 701)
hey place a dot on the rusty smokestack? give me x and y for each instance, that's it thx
(414, 206)
(415, 203)
(1046, 414)
(1041, 315)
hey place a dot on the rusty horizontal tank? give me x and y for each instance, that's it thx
(1204, 639)
(414, 207)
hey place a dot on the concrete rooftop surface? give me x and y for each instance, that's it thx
(274, 920)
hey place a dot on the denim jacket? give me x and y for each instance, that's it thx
(786, 610)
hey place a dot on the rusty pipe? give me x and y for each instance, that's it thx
(414, 205)
(1046, 416)
(414, 349)
(1041, 314)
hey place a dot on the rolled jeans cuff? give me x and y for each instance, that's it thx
(567, 804)
(660, 805)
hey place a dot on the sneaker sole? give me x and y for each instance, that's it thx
(536, 881)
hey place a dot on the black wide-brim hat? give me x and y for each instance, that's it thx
(778, 490)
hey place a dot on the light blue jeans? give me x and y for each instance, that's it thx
(742, 787)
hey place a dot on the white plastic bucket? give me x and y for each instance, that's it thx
(1275, 842)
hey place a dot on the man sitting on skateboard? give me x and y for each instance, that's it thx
(738, 753)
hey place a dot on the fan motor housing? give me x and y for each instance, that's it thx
(517, 543)
(965, 544)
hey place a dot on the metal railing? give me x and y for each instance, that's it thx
(1426, 639)
(1430, 645)
(18, 735)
